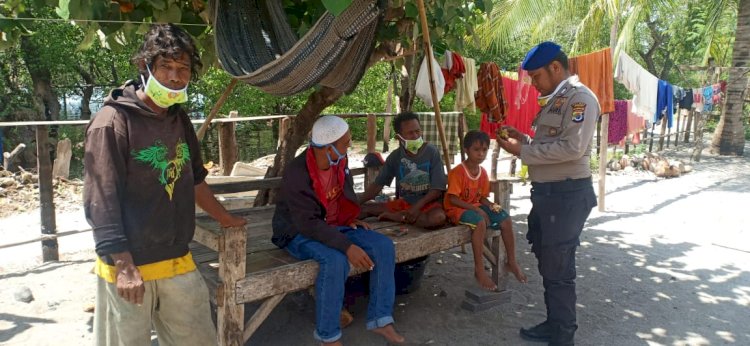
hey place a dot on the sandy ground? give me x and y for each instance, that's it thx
(666, 264)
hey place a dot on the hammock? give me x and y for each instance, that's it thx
(255, 44)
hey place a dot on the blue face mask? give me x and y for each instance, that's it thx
(338, 160)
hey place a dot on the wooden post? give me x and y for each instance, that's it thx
(603, 159)
(286, 124)
(661, 134)
(462, 154)
(232, 265)
(498, 268)
(215, 109)
(46, 193)
(8, 158)
(227, 145)
(677, 131)
(689, 125)
(430, 69)
(372, 132)
(61, 167)
(651, 142)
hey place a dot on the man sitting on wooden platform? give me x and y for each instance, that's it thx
(316, 218)
(420, 179)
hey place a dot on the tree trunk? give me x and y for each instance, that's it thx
(406, 98)
(729, 138)
(41, 78)
(88, 91)
(296, 136)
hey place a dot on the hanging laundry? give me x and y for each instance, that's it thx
(422, 86)
(698, 100)
(489, 97)
(636, 124)
(594, 70)
(522, 111)
(447, 60)
(717, 94)
(467, 86)
(664, 103)
(708, 99)
(723, 84)
(454, 69)
(640, 82)
(686, 98)
(489, 127)
(618, 123)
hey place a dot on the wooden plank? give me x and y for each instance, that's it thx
(300, 275)
(46, 195)
(489, 256)
(206, 238)
(61, 167)
(232, 259)
(228, 152)
(260, 315)
(242, 186)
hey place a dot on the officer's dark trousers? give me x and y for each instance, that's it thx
(559, 211)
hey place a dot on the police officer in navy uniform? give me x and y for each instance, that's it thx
(562, 194)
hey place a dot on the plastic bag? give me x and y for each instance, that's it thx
(422, 87)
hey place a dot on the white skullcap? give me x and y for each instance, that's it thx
(328, 129)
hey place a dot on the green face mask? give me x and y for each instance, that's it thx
(162, 95)
(412, 145)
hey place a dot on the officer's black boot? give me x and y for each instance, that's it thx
(541, 332)
(562, 336)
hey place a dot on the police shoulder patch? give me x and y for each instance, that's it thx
(578, 109)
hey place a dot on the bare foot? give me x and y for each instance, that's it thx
(484, 280)
(390, 334)
(517, 272)
(391, 216)
(346, 318)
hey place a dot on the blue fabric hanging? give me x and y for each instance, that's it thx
(664, 102)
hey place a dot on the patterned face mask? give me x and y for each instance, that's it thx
(162, 95)
(412, 145)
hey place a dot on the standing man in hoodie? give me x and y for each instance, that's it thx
(316, 218)
(143, 177)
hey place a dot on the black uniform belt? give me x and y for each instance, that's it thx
(568, 185)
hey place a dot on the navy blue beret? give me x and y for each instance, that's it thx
(540, 55)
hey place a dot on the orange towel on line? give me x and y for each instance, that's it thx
(489, 97)
(595, 71)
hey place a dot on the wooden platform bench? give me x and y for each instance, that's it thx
(241, 265)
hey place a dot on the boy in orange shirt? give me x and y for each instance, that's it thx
(466, 203)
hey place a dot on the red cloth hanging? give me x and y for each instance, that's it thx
(489, 97)
(522, 108)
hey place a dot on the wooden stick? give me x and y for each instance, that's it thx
(215, 110)
(9, 157)
(433, 91)
(603, 159)
(46, 202)
(260, 315)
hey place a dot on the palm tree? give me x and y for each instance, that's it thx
(581, 21)
(729, 138)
